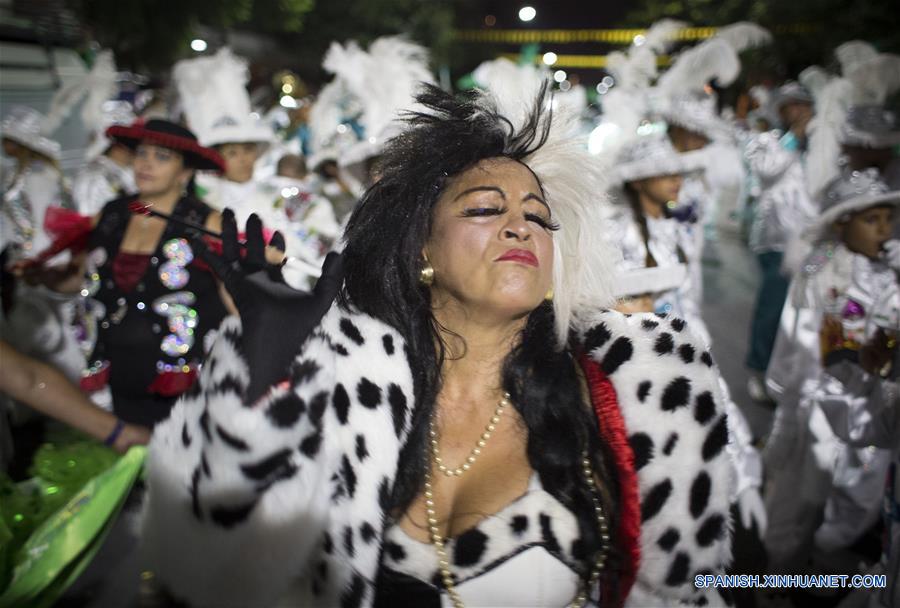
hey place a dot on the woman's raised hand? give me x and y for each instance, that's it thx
(276, 318)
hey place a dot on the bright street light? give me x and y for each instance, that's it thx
(198, 45)
(559, 75)
(550, 58)
(527, 13)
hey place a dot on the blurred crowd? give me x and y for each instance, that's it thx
(108, 306)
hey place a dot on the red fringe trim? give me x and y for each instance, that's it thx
(612, 431)
(139, 133)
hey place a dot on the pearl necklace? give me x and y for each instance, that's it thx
(476, 451)
(581, 599)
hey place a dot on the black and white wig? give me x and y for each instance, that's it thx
(384, 239)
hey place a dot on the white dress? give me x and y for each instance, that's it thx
(666, 237)
(864, 410)
(27, 195)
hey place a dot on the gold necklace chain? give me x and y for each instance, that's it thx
(437, 539)
(476, 451)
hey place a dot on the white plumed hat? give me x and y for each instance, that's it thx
(213, 92)
(369, 87)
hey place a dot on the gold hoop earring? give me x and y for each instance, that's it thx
(549, 296)
(426, 275)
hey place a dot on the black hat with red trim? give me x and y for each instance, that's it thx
(169, 135)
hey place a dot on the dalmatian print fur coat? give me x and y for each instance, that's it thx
(284, 502)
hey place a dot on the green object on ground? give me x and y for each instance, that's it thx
(62, 546)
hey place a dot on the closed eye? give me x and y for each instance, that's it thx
(482, 211)
(546, 224)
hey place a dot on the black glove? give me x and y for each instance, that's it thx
(276, 318)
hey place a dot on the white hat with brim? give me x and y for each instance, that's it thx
(711, 127)
(654, 156)
(23, 125)
(228, 130)
(628, 283)
(850, 193)
(791, 91)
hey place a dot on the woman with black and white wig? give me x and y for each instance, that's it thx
(453, 416)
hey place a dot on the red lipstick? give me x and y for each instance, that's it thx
(523, 256)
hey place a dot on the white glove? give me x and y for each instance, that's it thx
(892, 254)
(751, 507)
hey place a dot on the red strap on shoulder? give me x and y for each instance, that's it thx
(613, 433)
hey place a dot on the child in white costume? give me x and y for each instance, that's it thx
(108, 173)
(37, 323)
(781, 212)
(826, 319)
(863, 408)
(650, 174)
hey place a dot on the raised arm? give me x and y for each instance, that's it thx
(283, 448)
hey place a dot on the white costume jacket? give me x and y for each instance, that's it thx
(666, 237)
(288, 499)
(784, 207)
(809, 466)
(864, 410)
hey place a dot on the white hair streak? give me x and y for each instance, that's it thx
(574, 183)
(584, 256)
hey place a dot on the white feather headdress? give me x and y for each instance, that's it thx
(680, 94)
(867, 79)
(636, 68)
(98, 86)
(213, 92)
(853, 53)
(824, 150)
(371, 87)
(713, 59)
(629, 102)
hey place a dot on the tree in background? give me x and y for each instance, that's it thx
(151, 35)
